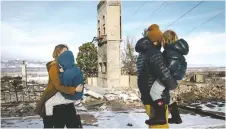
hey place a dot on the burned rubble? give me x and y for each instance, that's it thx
(212, 88)
(18, 110)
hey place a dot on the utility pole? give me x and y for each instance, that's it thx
(24, 74)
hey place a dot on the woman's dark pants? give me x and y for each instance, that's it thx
(63, 115)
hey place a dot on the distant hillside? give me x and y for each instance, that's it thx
(18, 64)
(41, 64)
(202, 65)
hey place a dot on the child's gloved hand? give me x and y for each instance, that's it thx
(166, 96)
(61, 70)
(79, 88)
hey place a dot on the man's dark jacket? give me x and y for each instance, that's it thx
(151, 66)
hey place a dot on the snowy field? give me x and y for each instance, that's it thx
(110, 119)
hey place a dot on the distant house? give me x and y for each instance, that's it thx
(198, 78)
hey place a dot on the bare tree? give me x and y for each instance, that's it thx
(17, 85)
(145, 32)
(129, 57)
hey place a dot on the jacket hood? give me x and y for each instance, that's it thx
(180, 46)
(66, 60)
(143, 44)
(49, 64)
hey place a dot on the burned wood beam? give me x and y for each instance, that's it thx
(94, 94)
(202, 112)
(94, 103)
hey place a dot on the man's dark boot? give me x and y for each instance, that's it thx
(176, 119)
(160, 113)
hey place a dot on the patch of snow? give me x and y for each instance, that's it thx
(93, 94)
(134, 97)
(35, 123)
(190, 121)
(124, 96)
(120, 120)
(214, 109)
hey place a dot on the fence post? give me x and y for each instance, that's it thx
(22, 96)
(29, 95)
(4, 96)
(16, 93)
(9, 96)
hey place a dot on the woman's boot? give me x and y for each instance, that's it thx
(176, 119)
(48, 121)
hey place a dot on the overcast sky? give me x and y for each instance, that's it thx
(30, 30)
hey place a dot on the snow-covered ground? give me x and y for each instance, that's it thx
(110, 119)
(120, 120)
